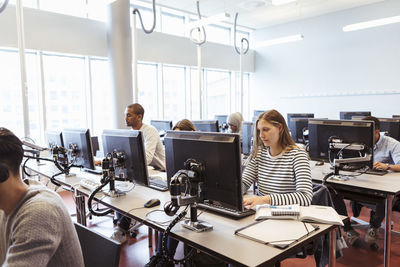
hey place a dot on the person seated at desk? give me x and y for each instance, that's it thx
(281, 169)
(35, 226)
(235, 123)
(155, 156)
(386, 157)
(158, 259)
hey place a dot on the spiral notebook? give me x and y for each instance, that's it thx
(277, 212)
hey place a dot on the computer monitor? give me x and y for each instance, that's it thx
(222, 122)
(347, 115)
(79, 140)
(247, 136)
(131, 143)
(257, 112)
(396, 116)
(350, 132)
(206, 126)
(54, 138)
(298, 128)
(95, 144)
(220, 155)
(162, 126)
(390, 126)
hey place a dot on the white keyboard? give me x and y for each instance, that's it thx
(90, 184)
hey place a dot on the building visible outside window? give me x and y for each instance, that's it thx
(174, 92)
(64, 79)
(148, 96)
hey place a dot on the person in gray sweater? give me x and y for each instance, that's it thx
(35, 226)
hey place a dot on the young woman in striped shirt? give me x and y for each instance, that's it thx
(281, 169)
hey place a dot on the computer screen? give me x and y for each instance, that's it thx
(390, 126)
(298, 127)
(130, 142)
(79, 140)
(348, 115)
(162, 126)
(396, 116)
(54, 138)
(220, 155)
(222, 121)
(247, 136)
(206, 126)
(350, 132)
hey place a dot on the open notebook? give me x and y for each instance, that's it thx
(312, 213)
(277, 233)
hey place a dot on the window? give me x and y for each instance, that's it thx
(64, 79)
(147, 17)
(194, 106)
(101, 95)
(236, 99)
(173, 24)
(71, 7)
(147, 85)
(174, 93)
(218, 87)
(97, 9)
(11, 111)
(218, 34)
(25, 3)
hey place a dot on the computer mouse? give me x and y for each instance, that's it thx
(152, 203)
(319, 163)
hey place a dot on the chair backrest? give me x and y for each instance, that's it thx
(97, 250)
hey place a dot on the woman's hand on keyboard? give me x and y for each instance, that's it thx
(253, 201)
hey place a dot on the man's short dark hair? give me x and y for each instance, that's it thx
(137, 108)
(11, 151)
(374, 119)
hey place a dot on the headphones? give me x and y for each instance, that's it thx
(4, 173)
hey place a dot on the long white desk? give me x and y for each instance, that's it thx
(220, 242)
(368, 188)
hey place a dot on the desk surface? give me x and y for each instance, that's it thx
(387, 184)
(220, 242)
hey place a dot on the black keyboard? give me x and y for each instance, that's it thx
(376, 172)
(158, 184)
(226, 211)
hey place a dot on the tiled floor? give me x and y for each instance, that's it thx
(137, 253)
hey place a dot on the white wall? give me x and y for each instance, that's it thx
(331, 70)
(67, 34)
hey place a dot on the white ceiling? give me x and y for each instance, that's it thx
(258, 14)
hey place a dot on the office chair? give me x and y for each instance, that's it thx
(97, 249)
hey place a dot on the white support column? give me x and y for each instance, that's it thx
(24, 83)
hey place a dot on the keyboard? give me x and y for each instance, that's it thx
(158, 184)
(226, 211)
(90, 184)
(376, 172)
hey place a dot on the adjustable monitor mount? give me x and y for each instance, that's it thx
(110, 163)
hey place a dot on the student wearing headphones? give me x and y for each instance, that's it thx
(281, 169)
(158, 259)
(35, 226)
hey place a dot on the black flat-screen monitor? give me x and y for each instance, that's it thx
(79, 140)
(396, 116)
(390, 126)
(130, 142)
(220, 155)
(222, 122)
(206, 126)
(348, 115)
(350, 132)
(299, 115)
(162, 126)
(247, 136)
(95, 144)
(54, 138)
(298, 128)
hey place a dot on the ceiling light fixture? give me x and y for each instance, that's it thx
(209, 20)
(281, 2)
(286, 39)
(371, 23)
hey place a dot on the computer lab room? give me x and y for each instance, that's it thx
(199, 133)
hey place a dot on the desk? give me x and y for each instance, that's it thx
(367, 188)
(220, 242)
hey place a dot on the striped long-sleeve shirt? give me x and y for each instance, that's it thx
(285, 177)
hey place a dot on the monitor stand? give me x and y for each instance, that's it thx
(194, 224)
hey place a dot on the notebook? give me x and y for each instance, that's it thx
(277, 233)
(312, 213)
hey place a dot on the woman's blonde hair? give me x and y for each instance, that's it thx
(184, 125)
(275, 118)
